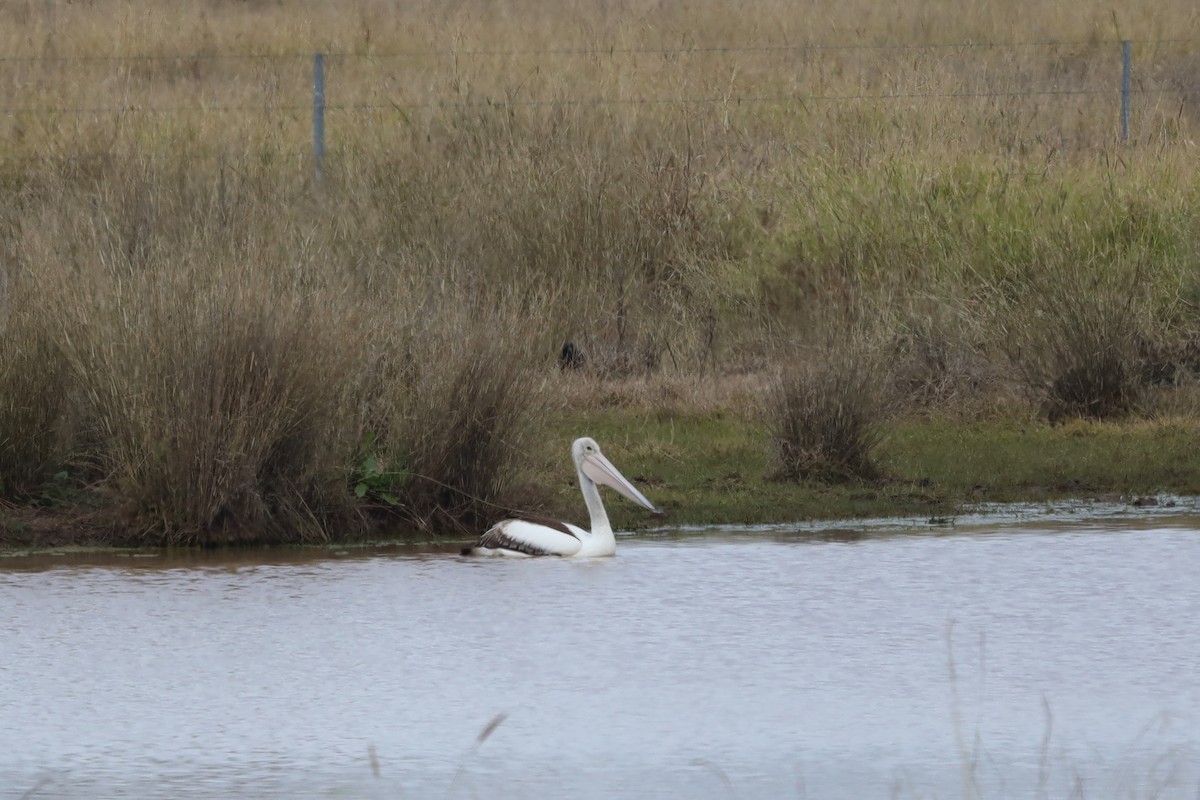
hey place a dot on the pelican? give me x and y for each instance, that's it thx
(543, 537)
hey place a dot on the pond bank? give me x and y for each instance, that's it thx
(714, 469)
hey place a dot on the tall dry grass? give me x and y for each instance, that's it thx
(33, 406)
(237, 346)
(223, 350)
(220, 363)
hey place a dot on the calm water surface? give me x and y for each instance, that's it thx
(999, 663)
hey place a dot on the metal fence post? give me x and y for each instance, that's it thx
(319, 115)
(1126, 75)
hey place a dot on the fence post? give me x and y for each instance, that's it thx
(1126, 74)
(319, 115)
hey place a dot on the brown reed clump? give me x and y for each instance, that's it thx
(221, 364)
(204, 394)
(826, 412)
(34, 404)
(1076, 334)
(473, 412)
(234, 440)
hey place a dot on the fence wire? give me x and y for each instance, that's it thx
(602, 51)
(52, 89)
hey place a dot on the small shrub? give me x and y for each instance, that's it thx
(826, 413)
(1076, 334)
(373, 480)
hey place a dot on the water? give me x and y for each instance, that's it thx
(1018, 662)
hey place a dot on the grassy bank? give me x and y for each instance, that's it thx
(715, 467)
(202, 345)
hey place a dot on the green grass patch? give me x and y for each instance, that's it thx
(1011, 460)
(706, 470)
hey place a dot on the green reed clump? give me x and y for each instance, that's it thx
(1097, 308)
(826, 411)
(968, 221)
(1071, 281)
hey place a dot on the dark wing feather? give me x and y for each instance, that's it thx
(499, 537)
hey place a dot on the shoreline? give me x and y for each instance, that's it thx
(1065, 513)
(712, 470)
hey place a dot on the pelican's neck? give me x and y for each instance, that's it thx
(591, 496)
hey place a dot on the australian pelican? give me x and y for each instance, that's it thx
(542, 537)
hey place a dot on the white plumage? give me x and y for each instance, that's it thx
(544, 537)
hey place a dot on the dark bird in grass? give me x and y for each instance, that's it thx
(571, 357)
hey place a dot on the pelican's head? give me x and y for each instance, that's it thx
(592, 465)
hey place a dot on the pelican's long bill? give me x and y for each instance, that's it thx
(602, 471)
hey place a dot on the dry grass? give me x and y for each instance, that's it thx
(472, 407)
(221, 366)
(32, 407)
(828, 406)
(237, 76)
(669, 393)
(225, 351)
(1074, 334)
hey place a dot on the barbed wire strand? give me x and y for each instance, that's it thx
(591, 51)
(731, 100)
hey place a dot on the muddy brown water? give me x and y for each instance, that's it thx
(1001, 661)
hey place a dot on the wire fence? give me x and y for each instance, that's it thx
(1111, 81)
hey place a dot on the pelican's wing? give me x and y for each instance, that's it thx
(532, 538)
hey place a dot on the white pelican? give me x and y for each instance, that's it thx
(544, 537)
